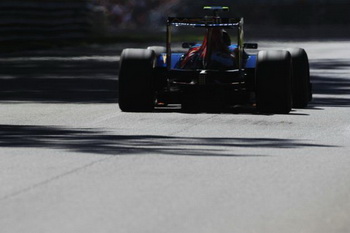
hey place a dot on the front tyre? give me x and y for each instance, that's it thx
(136, 84)
(273, 82)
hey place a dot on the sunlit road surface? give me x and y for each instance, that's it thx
(71, 161)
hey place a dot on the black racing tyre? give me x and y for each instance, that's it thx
(157, 49)
(301, 86)
(273, 82)
(136, 84)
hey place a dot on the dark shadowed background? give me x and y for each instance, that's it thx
(66, 21)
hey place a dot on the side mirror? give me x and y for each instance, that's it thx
(187, 45)
(250, 45)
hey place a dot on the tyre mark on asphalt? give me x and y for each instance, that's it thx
(52, 179)
(187, 128)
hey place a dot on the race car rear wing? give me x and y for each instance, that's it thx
(204, 22)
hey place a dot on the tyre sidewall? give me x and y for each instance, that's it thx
(273, 82)
(136, 84)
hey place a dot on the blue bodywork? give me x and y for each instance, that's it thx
(249, 61)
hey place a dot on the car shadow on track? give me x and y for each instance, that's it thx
(99, 142)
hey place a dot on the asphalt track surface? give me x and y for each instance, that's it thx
(70, 161)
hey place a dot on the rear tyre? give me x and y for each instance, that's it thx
(136, 88)
(301, 86)
(273, 82)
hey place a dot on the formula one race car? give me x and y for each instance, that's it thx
(215, 73)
